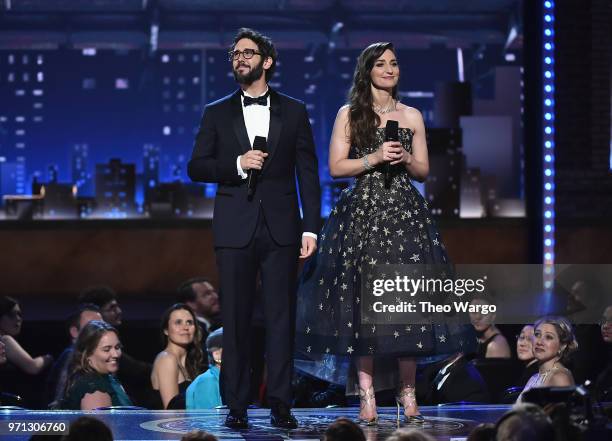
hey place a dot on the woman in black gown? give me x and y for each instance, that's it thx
(372, 224)
(180, 362)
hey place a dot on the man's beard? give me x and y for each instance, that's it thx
(253, 75)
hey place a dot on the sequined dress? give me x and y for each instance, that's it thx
(370, 225)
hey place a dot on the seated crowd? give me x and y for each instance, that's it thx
(94, 371)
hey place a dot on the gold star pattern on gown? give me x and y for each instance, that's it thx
(370, 225)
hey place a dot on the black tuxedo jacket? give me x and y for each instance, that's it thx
(223, 137)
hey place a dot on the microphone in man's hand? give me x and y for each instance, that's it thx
(259, 143)
(391, 134)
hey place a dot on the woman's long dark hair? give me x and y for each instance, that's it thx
(194, 362)
(85, 345)
(7, 304)
(363, 121)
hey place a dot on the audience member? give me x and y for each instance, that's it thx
(525, 422)
(482, 432)
(344, 429)
(95, 361)
(88, 428)
(452, 380)
(181, 360)
(524, 352)
(134, 374)
(585, 302)
(204, 392)
(491, 342)
(56, 380)
(603, 385)
(2, 352)
(200, 295)
(10, 327)
(410, 435)
(106, 299)
(198, 435)
(554, 342)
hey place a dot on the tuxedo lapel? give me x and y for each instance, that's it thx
(275, 126)
(238, 123)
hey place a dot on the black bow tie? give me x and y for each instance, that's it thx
(261, 100)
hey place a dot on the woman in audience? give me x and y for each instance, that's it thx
(524, 352)
(94, 364)
(10, 326)
(553, 343)
(182, 359)
(491, 342)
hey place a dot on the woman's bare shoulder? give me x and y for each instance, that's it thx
(410, 116)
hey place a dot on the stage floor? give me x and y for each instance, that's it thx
(448, 423)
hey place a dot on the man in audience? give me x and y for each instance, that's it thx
(525, 422)
(344, 429)
(56, 380)
(452, 380)
(106, 299)
(134, 374)
(410, 435)
(87, 428)
(198, 435)
(200, 295)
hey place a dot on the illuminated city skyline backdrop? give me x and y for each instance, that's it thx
(73, 110)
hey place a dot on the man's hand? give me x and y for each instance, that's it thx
(253, 159)
(309, 246)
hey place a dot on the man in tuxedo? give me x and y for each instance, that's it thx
(202, 297)
(257, 228)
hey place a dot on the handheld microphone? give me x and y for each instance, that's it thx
(259, 143)
(391, 134)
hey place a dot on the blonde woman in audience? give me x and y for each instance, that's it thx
(92, 381)
(553, 343)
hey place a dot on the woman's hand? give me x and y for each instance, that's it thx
(389, 151)
(404, 159)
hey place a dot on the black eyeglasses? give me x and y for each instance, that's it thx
(247, 54)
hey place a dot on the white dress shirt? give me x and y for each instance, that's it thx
(257, 122)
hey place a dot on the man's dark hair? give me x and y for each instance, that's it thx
(98, 295)
(90, 429)
(264, 44)
(199, 435)
(344, 429)
(75, 317)
(185, 292)
(527, 422)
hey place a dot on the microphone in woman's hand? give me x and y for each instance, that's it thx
(391, 134)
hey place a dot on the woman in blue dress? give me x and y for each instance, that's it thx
(372, 224)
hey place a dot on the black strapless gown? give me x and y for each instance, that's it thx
(369, 224)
